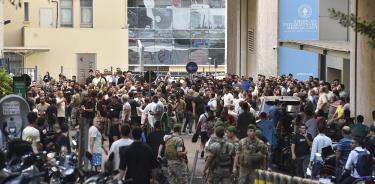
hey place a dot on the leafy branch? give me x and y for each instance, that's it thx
(359, 25)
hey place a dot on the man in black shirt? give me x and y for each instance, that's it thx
(155, 138)
(370, 141)
(301, 143)
(90, 77)
(189, 111)
(244, 120)
(113, 113)
(198, 106)
(137, 160)
(61, 138)
(134, 119)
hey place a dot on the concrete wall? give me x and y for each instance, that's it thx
(362, 68)
(330, 29)
(261, 16)
(1, 27)
(107, 38)
(267, 36)
(110, 46)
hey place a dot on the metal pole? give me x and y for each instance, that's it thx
(194, 167)
(62, 69)
(36, 73)
(215, 66)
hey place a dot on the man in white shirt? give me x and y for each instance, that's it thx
(228, 97)
(126, 114)
(320, 141)
(124, 141)
(31, 133)
(60, 102)
(357, 145)
(213, 102)
(95, 145)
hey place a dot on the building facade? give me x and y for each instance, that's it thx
(66, 36)
(174, 33)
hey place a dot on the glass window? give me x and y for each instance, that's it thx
(216, 19)
(132, 18)
(218, 55)
(86, 13)
(181, 34)
(199, 34)
(163, 34)
(181, 3)
(133, 56)
(181, 43)
(145, 33)
(217, 3)
(180, 56)
(200, 56)
(199, 19)
(162, 18)
(216, 34)
(199, 43)
(66, 9)
(181, 18)
(161, 3)
(162, 56)
(219, 43)
(26, 11)
(145, 18)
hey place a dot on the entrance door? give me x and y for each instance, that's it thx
(45, 18)
(85, 62)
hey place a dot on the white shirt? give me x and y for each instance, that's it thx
(115, 149)
(212, 104)
(146, 113)
(60, 107)
(127, 107)
(97, 136)
(352, 161)
(32, 135)
(236, 103)
(228, 99)
(320, 141)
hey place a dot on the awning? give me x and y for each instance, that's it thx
(333, 48)
(25, 51)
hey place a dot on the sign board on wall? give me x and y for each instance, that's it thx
(298, 20)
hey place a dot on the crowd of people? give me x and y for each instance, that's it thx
(144, 122)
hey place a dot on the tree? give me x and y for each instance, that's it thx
(5, 84)
(359, 25)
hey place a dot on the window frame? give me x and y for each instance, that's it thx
(87, 25)
(26, 11)
(72, 14)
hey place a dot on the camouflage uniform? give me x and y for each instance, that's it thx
(255, 146)
(221, 152)
(177, 168)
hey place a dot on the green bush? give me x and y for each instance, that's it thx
(5, 83)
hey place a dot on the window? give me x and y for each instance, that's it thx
(26, 11)
(66, 9)
(86, 13)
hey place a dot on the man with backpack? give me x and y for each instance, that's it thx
(175, 153)
(359, 163)
(250, 155)
(219, 160)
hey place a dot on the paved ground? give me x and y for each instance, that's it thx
(191, 148)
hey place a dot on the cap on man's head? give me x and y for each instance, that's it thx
(232, 129)
(252, 127)
(177, 127)
(219, 130)
(91, 70)
(219, 124)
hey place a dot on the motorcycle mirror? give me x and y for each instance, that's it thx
(51, 155)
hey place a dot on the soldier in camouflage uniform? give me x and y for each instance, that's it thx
(250, 155)
(232, 138)
(175, 153)
(219, 161)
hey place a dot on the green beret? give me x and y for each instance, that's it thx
(232, 129)
(219, 124)
(219, 130)
(251, 126)
(258, 132)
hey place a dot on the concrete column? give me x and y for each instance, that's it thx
(233, 36)
(1, 27)
(243, 39)
(362, 88)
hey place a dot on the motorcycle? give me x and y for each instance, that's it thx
(62, 169)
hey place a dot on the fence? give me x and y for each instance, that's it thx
(266, 177)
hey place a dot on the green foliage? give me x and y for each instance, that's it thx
(359, 25)
(5, 83)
